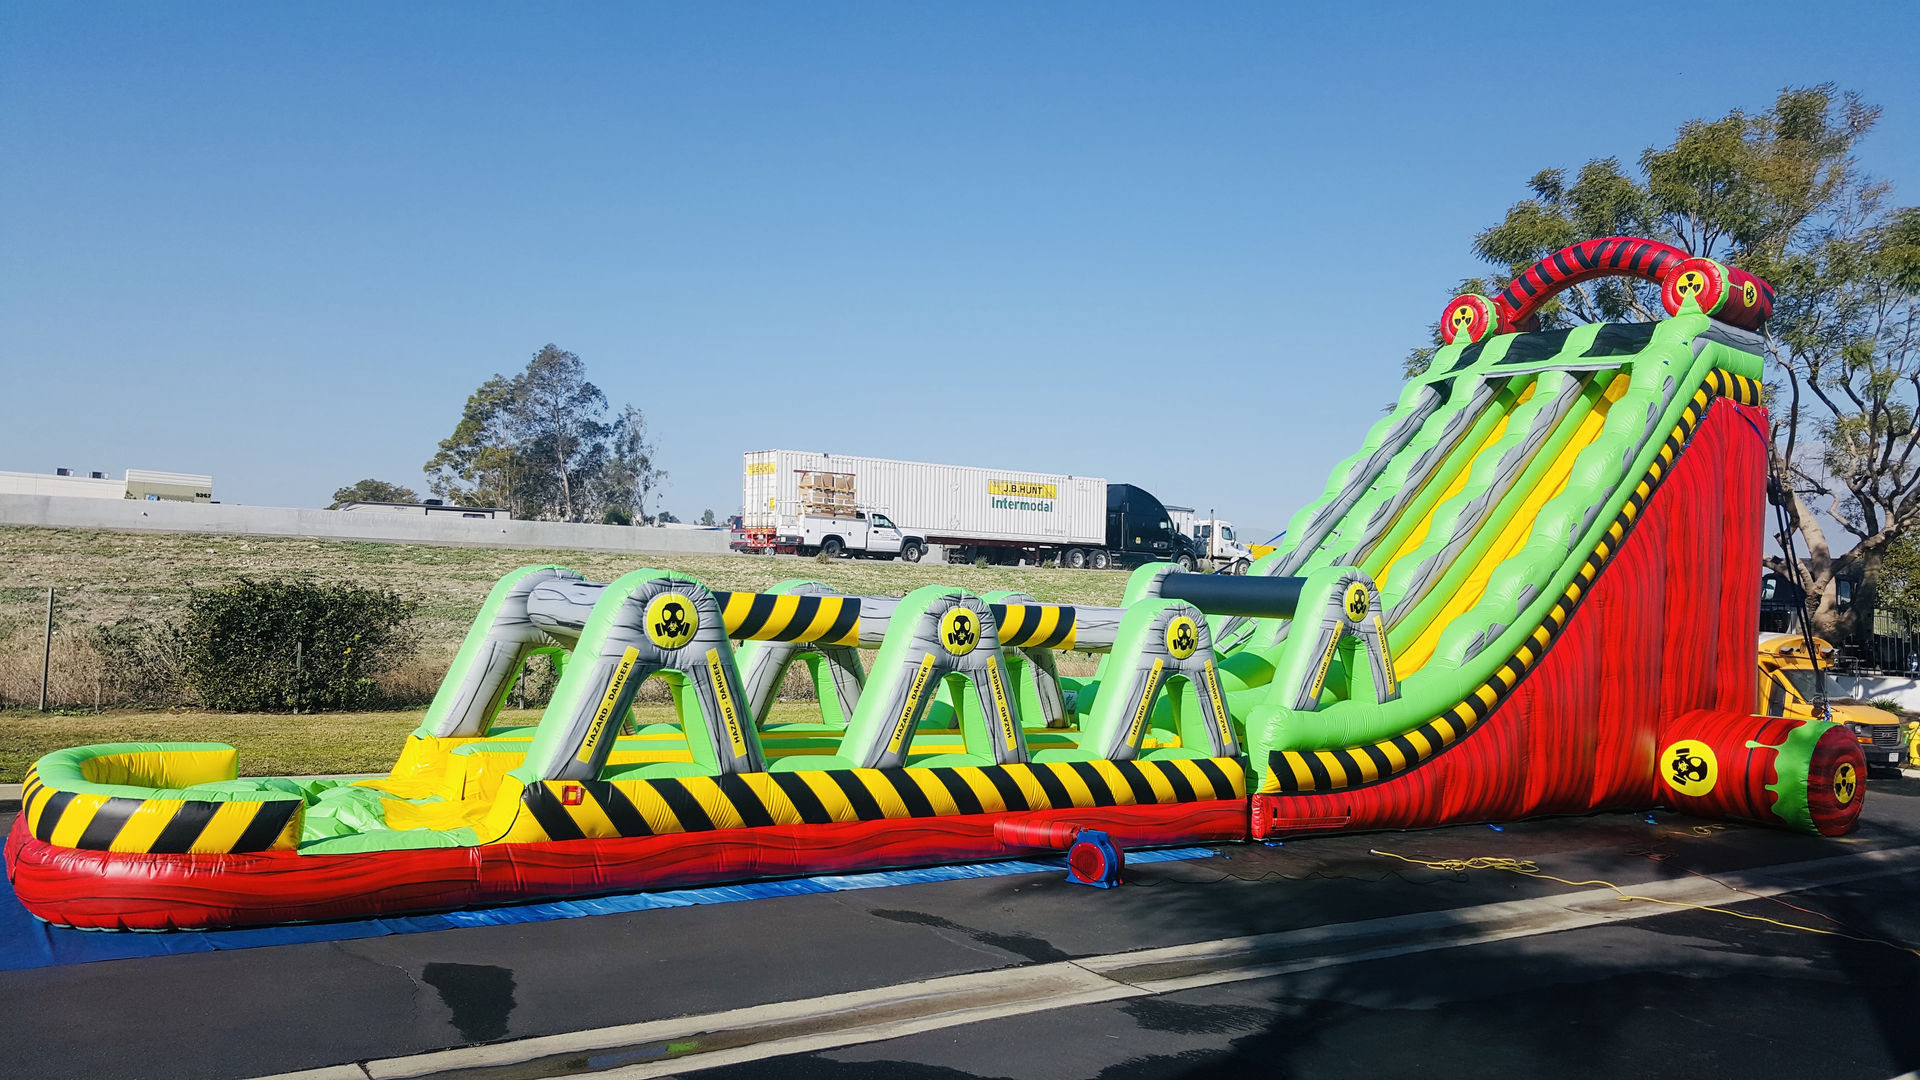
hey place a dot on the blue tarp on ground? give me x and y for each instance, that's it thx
(26, 942)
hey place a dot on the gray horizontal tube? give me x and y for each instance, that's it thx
(1220, 594)
(561, 608)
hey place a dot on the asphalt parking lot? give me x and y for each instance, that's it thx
(1370, 966)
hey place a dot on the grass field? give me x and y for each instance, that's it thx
(269, 744)
(103, 576)
(100, 577)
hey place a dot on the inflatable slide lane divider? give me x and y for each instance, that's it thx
(1459, 401)
(1530, 547)
(1511, 421)
(1429, 471)
(1313, 538)
(1500, 477)
(1504, 533)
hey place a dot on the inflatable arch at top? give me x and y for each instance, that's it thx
(1529, 592)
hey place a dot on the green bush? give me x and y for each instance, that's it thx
(256, 646)
(142, 659)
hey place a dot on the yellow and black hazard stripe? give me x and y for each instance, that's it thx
(1308, 771)
(1035, 626)
(601, 809)
(829, 620)
(94, 822)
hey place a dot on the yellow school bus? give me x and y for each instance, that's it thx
(1787, 687)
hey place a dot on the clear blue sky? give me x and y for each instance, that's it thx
(1179, 245)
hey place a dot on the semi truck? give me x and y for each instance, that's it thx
(803, 503)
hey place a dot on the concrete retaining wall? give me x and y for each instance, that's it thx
(130, 515)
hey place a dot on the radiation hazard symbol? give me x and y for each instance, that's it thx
(959, 630)
(1461, 319)
(1357, 600)
(1845, 782)
(1750, 294)
(1689, 767)
(1467, 320)
(1183, 637)
(671, 620)
(1692, 283)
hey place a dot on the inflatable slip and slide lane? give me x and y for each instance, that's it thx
(1531, 592)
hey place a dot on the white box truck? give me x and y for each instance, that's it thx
(802, 503)
(1216, 540)
(1213, 538)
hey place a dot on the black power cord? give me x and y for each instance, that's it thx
(1777, 495)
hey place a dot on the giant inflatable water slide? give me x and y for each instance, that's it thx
(1532, 591)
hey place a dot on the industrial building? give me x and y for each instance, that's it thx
(138, 484)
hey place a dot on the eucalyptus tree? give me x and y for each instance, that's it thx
(1779, 193)
(541, 444)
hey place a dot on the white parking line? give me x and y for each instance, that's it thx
(688, 1044)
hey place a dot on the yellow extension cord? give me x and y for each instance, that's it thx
(1531, 869)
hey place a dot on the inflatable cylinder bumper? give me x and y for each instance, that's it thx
(1805, 775)
(837, 672)
(1031, 666)
(865, 621)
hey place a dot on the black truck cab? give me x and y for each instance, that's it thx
(1140, 531)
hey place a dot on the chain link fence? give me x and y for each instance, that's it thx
(105, 651)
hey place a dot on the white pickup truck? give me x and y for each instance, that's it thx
(867, 534)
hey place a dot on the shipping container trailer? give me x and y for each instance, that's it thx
(802, 502)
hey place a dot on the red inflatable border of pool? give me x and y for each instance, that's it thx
(109, 890)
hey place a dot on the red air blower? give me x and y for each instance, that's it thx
(1092, 858)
